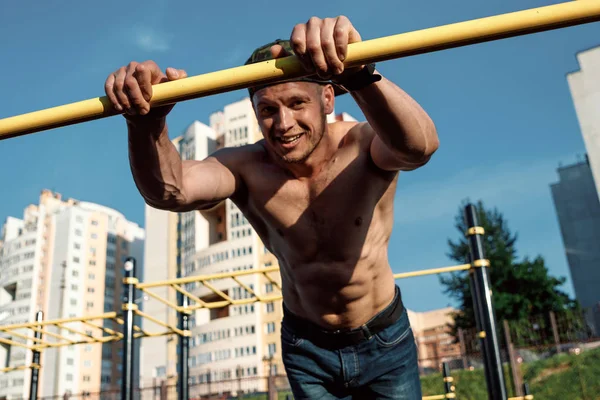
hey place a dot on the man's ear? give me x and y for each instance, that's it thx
(328, 98)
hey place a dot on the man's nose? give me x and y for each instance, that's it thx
(285, 120)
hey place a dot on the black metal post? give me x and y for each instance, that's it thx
(184, 349)
(484, 311)
(526, 392)
(448, 385)
(35, 371)
(129, 284)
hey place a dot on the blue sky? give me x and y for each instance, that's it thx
(502, 109)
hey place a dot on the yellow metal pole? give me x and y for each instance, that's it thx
(402, 45)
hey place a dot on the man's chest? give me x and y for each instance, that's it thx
(334, 206)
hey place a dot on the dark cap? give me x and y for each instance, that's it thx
(263, 53)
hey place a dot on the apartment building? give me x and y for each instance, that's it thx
(64, 257)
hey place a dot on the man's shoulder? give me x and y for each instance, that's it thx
(241, 155)
(353, 133)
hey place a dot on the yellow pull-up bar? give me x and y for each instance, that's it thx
(402, 45)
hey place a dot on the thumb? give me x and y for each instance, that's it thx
(174, 74)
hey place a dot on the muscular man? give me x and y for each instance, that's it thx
(319, 195)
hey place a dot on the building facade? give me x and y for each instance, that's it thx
(578, 210)
(65, 258)
(585, 92)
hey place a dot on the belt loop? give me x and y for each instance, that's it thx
(366, 331)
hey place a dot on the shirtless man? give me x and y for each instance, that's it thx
(320, 196)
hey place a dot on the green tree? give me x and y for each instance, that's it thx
(520, 288)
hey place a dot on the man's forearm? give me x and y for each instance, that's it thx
(155, 163)
(399, 121)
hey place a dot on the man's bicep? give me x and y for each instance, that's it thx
(383, 157)
(208, 182)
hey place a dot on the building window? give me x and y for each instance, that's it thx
(268, 288)
(271, 327)
(76, 260)
(270, 307)
(272, 349)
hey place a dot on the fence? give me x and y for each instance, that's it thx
(557, 354)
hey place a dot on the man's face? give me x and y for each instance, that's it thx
(293, 117)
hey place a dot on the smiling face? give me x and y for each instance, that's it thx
(293, 117)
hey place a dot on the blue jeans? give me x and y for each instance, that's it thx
(381, 367)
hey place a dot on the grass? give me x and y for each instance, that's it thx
(564, 376)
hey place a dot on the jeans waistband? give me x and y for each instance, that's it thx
(344, 337)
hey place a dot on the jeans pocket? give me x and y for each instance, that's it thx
(394, 334)
(290, 338)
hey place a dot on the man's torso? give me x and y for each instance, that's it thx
(329, 232)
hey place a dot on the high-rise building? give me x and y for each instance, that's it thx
(64, 258)
(585, 91)
(578, 211)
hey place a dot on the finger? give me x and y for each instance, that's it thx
(329, 44)
(298, 43)
(278, 51)
(132, 88)
(173, 74)
(108, 89)
(118, 88)
(313, 46)
(340, 35)
(144, 78)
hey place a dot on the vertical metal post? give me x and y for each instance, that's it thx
(184, 348)
(463, 348)
(35, 371)
(449, 387)
(484, 311)
(514, 365)
(129, 284)
(526, 392)
(555, 331)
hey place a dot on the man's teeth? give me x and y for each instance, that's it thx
(290, 139)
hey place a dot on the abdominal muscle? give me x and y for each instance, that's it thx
(337, 295)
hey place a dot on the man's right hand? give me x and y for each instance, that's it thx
(130, 88)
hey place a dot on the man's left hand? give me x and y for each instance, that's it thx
(322, 45)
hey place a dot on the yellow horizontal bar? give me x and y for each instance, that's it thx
(52, 334)
(402, 45)
(13, 343)
(159, 322)
(528, 397)
(26, 337)
(162, 300)
(31, 325)
(104, 339)
(436, 397)
(188, 294)
(199, 278)
(104, 329)
(432, 271)
(20, 367)
(153, 334)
